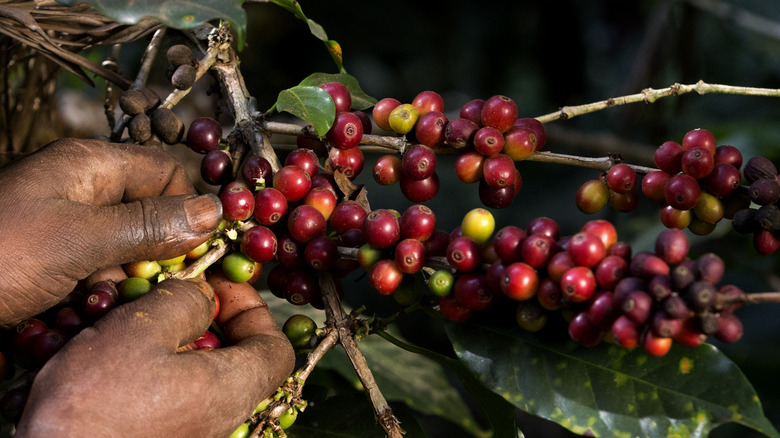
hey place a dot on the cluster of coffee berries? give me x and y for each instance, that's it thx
(762, 217)
(616, 187)
(183, 66)
(604, 292)
(396, 248)
(487, 134)
(346, 133)
(35, 340)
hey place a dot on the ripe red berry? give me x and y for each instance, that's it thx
(419, 162)
(537, 250)
(586, 249)
(454, 310)
(216, 167)
(584, 332)
(601, 310)
(322, 199)
(655, 345)
(653, 185)
(488, 141)
(578, 284)
(499, 171)
(430, 127)
(472, 110)
(723, 180)
(381, 228)
(428, 101)
(347, 215)
(385, 277)
(346, 132)
(472, 290)
(293, 182)
(603, 229)
(495, 197)
(699, 138)
(519, 143)
(420, 190)
(387, 170)
(44, 345)
(621, 178)
(459, 133)
(417, 222)
(727, 154)
(464, 253)
(672, 246)
(610, 270)
(305, 223)
(499, 112)
(382, 110)
(306, 159)
(270, 206)
(626, 332)
(348, 161)
(238, 203)
(536, 127)
(340, 95)
(259, 244)
(204, 135)
(520, 281)
(409, 255)
(668, 157)
(469, 167)
(97, 303)
(697, 162)
(506, 243)
(256, 170)
(682, 192)
(321, 253)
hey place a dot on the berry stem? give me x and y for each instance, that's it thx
(340, 321)
(649, 95)
(208, 259)
(751, 298)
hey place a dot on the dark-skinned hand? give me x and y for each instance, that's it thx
(80, 206)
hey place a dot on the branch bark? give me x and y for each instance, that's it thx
(337, 319)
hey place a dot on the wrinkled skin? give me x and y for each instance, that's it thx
(77, 207)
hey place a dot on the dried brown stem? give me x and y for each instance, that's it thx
(751, 298)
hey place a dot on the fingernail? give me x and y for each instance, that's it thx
(203, 212)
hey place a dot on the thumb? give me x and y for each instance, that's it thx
(152, 228)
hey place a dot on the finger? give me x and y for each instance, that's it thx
(149, 229)
(108, 173)
(171, 314)
(242, 313)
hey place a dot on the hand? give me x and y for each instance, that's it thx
(77, 206)
(124, 378)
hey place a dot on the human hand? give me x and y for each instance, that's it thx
(77, 206)
(123, 377)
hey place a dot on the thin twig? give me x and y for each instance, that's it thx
(650, 95)
(740, 17)
(337, 319)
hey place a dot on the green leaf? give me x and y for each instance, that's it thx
(180, 14)
(406, 377)
(311, 104)
(316, 29)
(360, 100)
(611, 391)
(499, 412)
